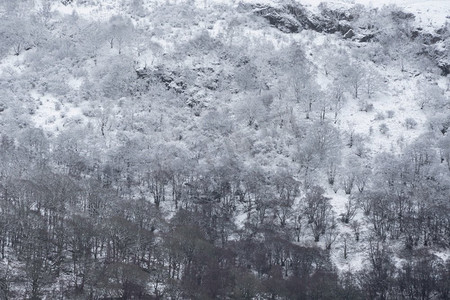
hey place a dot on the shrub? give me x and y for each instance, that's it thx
(384, 129)
(379, 116)
(3, 106)
(390, 114)
(364, 106)
(410, 123)
(90, 112)
(50, 120)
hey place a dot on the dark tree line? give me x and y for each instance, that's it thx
(85, 235)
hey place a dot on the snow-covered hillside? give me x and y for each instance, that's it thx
(212, 149)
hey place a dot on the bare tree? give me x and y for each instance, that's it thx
(317, 210)
(355, 75)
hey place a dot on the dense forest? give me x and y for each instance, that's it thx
(235, 150)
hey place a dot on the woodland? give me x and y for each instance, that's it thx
(223, 150)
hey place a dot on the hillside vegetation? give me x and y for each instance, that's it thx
(223, 150)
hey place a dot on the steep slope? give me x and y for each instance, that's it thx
(176, 131)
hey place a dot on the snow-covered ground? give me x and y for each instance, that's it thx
(391, 108)
(430, 14)
(52, 116)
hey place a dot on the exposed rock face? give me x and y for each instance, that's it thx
(279, 19)
(295, 18)
(434, 47)
(401, 15)
(349, 34)
(430, 39)
(335, 20)
(445, 69)
(301, 15)
(171, 79)
(367, 38)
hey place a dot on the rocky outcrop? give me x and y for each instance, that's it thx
(292, 18)
(349, 34)
(445, 68)
(434, 47)
(401, 15)
(279, 19)
(430, 39)
(367, 38)
(171, 79)
(295, 18)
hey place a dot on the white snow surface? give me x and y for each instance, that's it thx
(430, 14)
